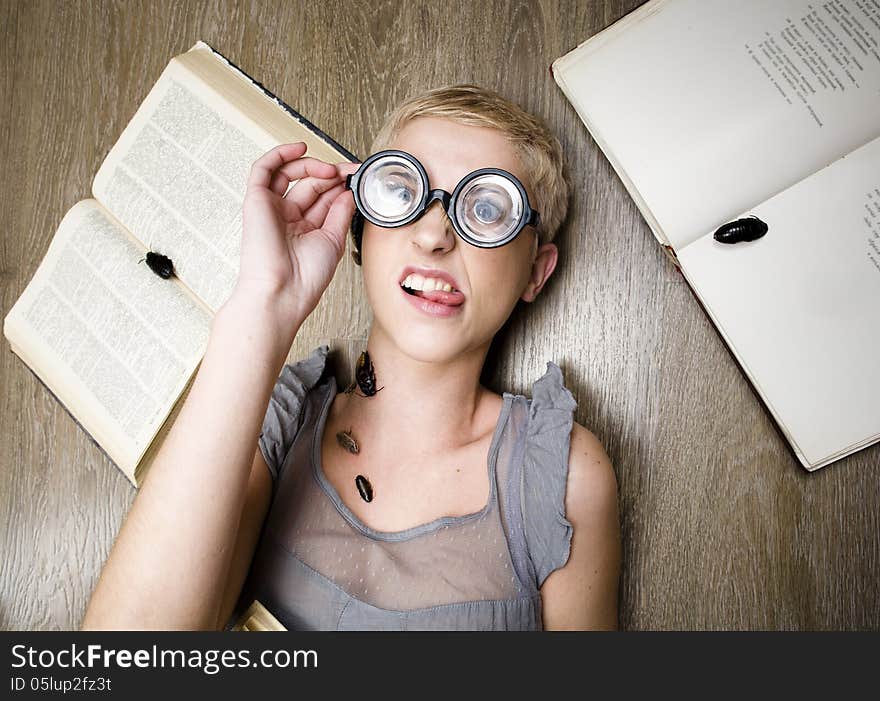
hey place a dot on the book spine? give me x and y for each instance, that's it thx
(287, 108)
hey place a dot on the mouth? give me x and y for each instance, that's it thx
(432, 296)
(436, 290)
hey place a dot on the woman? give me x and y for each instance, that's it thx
(382, 510)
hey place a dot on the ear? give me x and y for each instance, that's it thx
(542, 268)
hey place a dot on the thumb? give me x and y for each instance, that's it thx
(339, 218)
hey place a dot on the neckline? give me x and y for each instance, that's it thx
(413, 531)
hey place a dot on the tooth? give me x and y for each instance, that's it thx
(405, 282)
(416, 282)
(430, 284)
(447, 287)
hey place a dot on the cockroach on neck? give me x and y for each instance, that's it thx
(365, 375)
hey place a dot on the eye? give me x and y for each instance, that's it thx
(397, 188)
(489, 207)
(486, 211)
(391, 190)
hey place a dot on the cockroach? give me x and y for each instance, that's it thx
(364, 487)
(747, 229)
(365, 375)
(159, 264)
(347, 441)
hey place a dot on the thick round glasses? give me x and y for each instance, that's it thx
(488, 208)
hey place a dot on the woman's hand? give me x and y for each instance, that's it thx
(291, 245)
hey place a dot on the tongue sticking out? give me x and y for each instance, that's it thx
(452, 299)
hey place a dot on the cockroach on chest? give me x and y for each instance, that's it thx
(364, 487)
(159, 264)
(366, 375)
(347, 441)
(747, 229)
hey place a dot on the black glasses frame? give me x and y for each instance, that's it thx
(448, 201)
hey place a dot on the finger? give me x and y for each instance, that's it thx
(347, 168)
(265, 166)
(306, 191)
(308, 166)
(319, 168)
(286, 158)
(280, 183)
(315, 216)
(301, 169)
(339, 217)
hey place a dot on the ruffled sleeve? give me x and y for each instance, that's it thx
(545, 474)
(282, 420)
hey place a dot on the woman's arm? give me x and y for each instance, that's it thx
(256, 507)
(169, 564)
(582, 595)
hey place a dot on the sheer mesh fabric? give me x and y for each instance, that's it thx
(317, 566)
(446, 561)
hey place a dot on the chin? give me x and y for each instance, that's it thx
(426, 346)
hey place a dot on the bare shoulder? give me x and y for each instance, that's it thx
(582, 594)
(592, 483)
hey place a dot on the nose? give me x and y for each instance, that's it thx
(433, 231)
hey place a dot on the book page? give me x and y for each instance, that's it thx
(707, 107)
(111, 339)
(176, 179)
(177, 176)
(800, 307)
(245, 98)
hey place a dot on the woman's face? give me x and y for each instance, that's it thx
(490, 280)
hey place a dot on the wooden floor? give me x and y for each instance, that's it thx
(722, 527)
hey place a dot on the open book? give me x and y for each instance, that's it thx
(117, 344)
(713, 111)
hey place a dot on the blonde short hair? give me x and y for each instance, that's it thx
(538, 150)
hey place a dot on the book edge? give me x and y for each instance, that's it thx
(279, 102)
(91, 438)
(648, 216)
(776, 420)
(608, 33)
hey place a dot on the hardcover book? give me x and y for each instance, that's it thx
(748, 135)
(116, 343)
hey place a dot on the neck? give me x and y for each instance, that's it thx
(425, 407)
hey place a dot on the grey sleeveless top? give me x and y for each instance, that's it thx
(317, 566)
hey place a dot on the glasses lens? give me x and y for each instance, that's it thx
(490, 208)
(391, 189)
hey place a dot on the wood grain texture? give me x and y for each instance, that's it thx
(722, 527)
